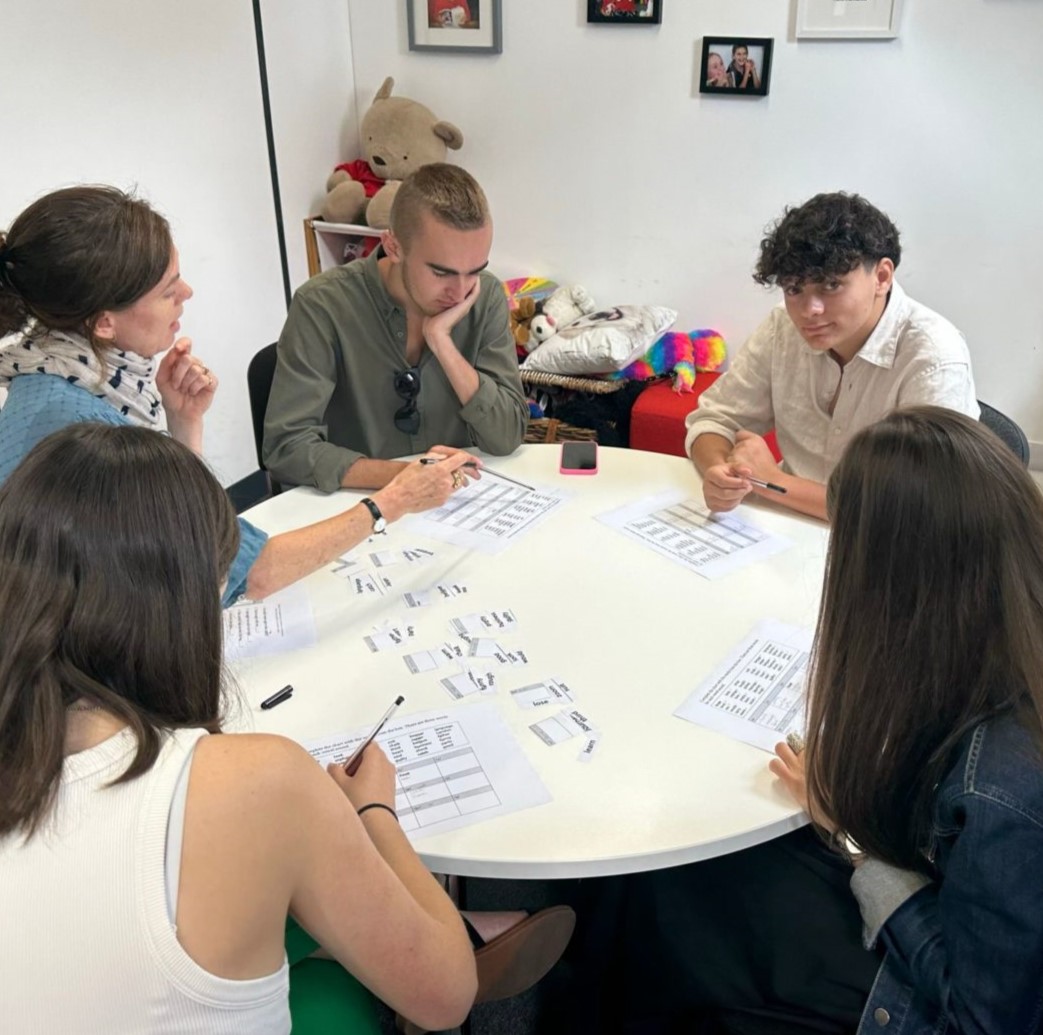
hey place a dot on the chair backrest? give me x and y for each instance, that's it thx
(259, 376)
(1007, 430)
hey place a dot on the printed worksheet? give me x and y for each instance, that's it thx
(283, 622)
(454, 768)
(489, 515)
(685, 531)
(757, 694)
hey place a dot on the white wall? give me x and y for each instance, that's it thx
(167, 98)
(314, 118)
(606, 167)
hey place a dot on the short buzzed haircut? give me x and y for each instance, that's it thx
(826, 237)
(449, 193)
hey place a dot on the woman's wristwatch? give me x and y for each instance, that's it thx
(379, 521)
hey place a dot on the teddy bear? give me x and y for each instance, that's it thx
(564, 306)
(398, 136)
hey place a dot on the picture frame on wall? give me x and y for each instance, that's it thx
(624, 12)
(736, 66)
(847, 19)
(455, 26)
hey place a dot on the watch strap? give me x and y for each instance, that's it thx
(379, 521)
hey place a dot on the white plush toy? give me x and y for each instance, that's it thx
(564, 306)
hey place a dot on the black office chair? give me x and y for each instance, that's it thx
(1006, 429)
(258, 486)
(259, 376)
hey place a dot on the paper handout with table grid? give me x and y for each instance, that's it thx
(685, 531)
(757, 694)
(454, 767)
(488, 515)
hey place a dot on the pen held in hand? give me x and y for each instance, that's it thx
(351, 766)
(484, 470)
(766, 485)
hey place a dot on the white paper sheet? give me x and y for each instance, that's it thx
(756, 694)
(281, 623)
(488, 515)
(455, 768)
(685, 531)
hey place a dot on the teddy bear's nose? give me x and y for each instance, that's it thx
(377, 160)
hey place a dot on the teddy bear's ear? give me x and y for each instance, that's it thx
(447, 132)
(385, 89)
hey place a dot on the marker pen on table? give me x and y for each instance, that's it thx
(283, 695)
(351, 766)
(484, 469)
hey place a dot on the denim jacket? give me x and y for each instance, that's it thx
(965, 951)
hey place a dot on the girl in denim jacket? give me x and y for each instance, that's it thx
(924, 738)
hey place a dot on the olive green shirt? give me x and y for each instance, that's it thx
(333, 398)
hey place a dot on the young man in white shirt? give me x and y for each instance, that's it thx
(845, 347)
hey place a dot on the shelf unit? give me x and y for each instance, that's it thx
(333, 244)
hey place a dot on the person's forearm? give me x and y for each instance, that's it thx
(188, 433)
(290, 556)
(802, 495)
(366, 473)
(461, 375)
(398, 853)
(709, 450)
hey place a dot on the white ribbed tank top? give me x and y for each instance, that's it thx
(86, 942)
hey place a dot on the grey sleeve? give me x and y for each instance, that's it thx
(497, 414)
(880, 889)
(296, 448)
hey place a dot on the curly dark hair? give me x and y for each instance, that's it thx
(826, 237)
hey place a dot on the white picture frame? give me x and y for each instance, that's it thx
(847, 19)
(466, 27)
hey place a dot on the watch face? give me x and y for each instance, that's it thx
(379, 521)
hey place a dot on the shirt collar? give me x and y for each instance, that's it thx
(375, 282)
(882, 344)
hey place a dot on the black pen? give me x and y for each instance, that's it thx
(351, 766)
(283, 695)
(766, 485)
(486, 470)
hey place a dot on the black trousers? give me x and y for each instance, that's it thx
(767, 940)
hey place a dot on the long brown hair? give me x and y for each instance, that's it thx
(113, 545)
(77, 252)
(931, 620)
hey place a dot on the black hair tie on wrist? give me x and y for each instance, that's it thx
(379, 805)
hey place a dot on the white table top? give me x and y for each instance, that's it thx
(631, 632)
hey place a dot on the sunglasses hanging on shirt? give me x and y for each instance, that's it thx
(407, 388)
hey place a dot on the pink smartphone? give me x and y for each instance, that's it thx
(579, 458)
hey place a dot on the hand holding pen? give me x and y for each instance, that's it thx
(352, 764)
(473, 465)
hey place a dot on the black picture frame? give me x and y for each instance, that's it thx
(758, 80)
(624, 12)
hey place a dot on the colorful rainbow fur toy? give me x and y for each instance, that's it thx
(681, 353)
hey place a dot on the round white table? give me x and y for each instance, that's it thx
(630, 631)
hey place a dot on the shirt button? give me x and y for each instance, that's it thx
(398, 334)
(882, 1017)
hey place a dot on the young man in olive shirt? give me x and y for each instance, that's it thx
(402, 352)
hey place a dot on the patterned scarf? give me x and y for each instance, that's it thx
(126, 380)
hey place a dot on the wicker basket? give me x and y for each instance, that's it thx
(577, 384)
(546, 430)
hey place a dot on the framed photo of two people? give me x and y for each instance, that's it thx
(735, 66)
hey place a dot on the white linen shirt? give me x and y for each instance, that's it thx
(913, 357)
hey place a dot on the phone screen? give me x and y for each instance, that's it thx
(579, 456)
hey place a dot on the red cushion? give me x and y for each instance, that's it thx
(657, 419)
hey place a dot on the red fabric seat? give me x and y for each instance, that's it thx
(657, 419)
